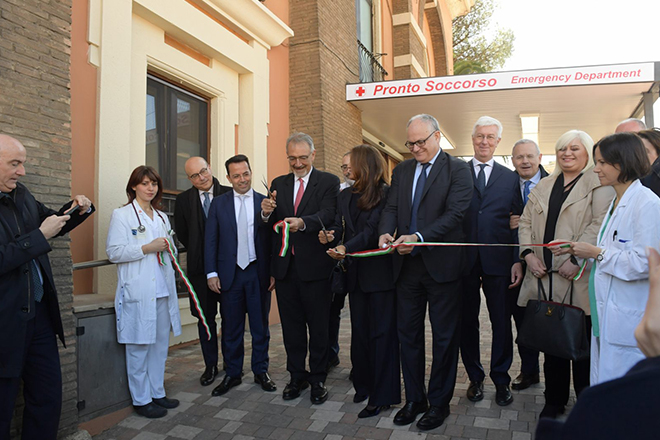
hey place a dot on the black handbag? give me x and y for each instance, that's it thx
(555, 328)
(338, 274)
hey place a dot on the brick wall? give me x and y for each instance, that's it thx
(35, 40)
(323, 58)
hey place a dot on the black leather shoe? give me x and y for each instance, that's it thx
(409, 412)
(293, 389)
(150, 411)
(332, 363)
(265, 381)
(524, 381)
(319, 393)
(503, 395)
(475, 391)
(226, 384)
(357, 398)
(433, 418)
(374, 411)
(551, 411)
(166, 403)
(208, 376)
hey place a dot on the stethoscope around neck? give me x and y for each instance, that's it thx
(142, 228)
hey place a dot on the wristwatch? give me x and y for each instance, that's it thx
(600, 256)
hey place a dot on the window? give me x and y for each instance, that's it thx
(177, 128)
(364, 15)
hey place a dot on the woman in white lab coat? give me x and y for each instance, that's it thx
(146, 302)
(620, 279)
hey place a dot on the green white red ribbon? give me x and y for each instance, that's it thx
(284, 226)
(186, 281)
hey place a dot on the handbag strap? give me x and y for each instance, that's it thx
(569, 294)
(541, 290)
(343, 230)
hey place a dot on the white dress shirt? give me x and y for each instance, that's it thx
(201, 195)
(487, 170)
(249, 212)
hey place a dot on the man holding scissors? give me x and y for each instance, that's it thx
(300, 199)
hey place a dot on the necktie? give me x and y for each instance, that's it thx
(38, 288)
(207, 204)
(526, 191)
(421, 181)
(299, 196)
(243, 255)
(481, 178)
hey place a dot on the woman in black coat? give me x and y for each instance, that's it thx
(372, 298)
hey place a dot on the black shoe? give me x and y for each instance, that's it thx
(374, 411)
(293, 389)
(265, 381)
(208, 376)
(524, 381)
(503, 395)
(409, 412)
(360, 398)
(227, 384)
(332, 363)
(319, 393)
(551, 411)
(150, 411)
(433, 418)
(475, 391)
(166, 403)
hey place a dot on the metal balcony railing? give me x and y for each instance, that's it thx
(370, 69)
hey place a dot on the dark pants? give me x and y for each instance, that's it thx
(245, 296)
(42, 382)
(304, 306)
(333, 330)
(529, 359)
(415, 289)
(375, 346)
(558, 375)
(498, 303)
(210, 302)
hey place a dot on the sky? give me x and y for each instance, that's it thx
(563, 33)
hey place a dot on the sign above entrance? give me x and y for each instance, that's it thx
(571, 76)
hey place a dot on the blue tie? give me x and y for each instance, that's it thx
(207, 204)
(481, 178)
(421, 181)
(526, 191)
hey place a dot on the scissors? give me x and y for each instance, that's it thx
(265, 183)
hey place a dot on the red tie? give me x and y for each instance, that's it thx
(299, 196)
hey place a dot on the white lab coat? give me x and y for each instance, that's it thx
(135, 298)
(621, 281)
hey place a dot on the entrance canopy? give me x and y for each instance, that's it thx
(545, 103)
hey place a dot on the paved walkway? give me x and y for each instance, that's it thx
(246, 412)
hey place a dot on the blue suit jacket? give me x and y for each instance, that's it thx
(487, 221)
(222, 240)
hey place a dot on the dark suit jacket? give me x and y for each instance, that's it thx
(189, 225)
(487, 221)
(445, 198)
(20, 243)
(624, 408)
(373, 274)
(222, 241)
(652, 181)
(319, 200)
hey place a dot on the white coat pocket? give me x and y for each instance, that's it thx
(621, 325)
(132, 290)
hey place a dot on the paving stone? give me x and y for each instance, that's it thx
(281, 434)
(136, 422)
(491, 423)
(149, 436)
(474, 432)
(521, 436)
(403, 435)
(330, 416)
(231, 427)
(318, 425)
(231, 414)
(182, 431)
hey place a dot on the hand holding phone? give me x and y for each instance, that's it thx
(72, 210)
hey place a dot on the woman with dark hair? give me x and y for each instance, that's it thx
(651, 141)
(146, 302)
(372, 299)
(568, 205)
(620, 278)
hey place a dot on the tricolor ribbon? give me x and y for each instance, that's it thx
(284, 226)
(186, 281)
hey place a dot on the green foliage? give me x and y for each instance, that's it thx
(477, 46)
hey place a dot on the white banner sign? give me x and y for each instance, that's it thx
(573, 76)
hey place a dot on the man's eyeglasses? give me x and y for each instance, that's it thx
(345, 167)
(411, 145)
(300, 158)
(490, 138)
(202, 172)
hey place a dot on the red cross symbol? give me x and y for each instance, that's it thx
(360, 91)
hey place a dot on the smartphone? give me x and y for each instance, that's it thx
(72, 210)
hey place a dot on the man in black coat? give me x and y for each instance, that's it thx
(29, 311)
(303, 198)
(426, 203)
(526, 158)
(190, 213)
